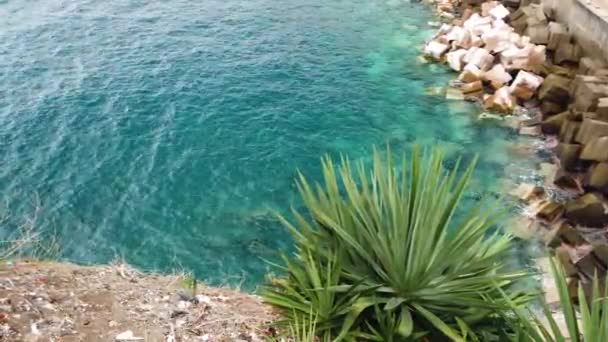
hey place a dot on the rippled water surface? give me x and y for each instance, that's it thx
(165, 132)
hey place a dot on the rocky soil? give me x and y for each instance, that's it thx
(42, 301)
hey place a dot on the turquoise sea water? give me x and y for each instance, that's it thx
(165, 132)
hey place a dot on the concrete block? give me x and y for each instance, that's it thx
(590, 130)
(568, 155)
(588, 210)
(558, 34)
(555, 89)
(567, 52)
(596, 150)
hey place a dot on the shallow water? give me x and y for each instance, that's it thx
(165, 132)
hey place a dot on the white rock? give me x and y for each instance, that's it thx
(481, 58)
(203, 299)
(474, 69)
(478, 24)
(500, 24)
(536, 57)
(486, 7)
(470, 73)
(34, 329)
(529, 58)
(501, 101)
(476, 41)
(514, 58)
(470, 52)
(454, 33)
(497, 76)
(455, 59)
(496, 39)
(435, 49)
(182, 305)
(525, 85)
(465, 39)
(499, 12)
(443, 30)
(127, 336)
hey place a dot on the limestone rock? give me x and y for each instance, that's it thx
(454, 33)
(465, 39)
(525, 85)
(597, 176)
(481, 58)
(498, 39)
(589, 210)
(501, 101)
(472, 89)
(435, 49)
(553, 124)
(486, 7)
(455, 59)
(497, 76)
(468, 76)
(590, 130)
(478, 24)
(568, 155)
(555, 89)
(528, 192)
(596, 149)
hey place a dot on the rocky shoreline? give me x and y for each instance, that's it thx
(516, 60)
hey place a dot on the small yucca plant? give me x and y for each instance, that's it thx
(591, 327)
(379, 256)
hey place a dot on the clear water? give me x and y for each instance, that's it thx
(165, 132)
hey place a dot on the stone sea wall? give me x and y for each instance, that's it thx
(587, 21)
(522, 60)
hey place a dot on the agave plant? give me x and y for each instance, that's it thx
(379, 255)
(591, 327)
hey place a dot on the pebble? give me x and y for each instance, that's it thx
(184, 305)
(203, 299)
(128, 336)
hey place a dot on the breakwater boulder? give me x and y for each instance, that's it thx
(517, 60)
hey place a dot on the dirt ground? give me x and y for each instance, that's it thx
(42, 301)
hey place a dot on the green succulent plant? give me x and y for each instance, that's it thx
(379, 255)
